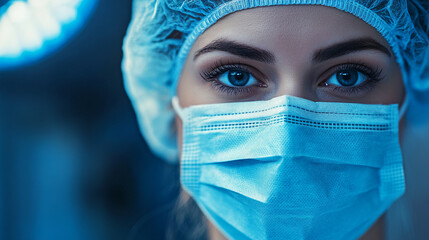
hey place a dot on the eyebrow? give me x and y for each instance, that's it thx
(321, 55)
(238, 49)
(348, 47)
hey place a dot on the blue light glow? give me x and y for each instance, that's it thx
(30, 29)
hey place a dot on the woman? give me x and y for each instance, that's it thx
(288, 112)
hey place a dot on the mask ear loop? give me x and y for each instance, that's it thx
(404, 107)
(177, 108)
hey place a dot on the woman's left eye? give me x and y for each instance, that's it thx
(347, 78)
(237, 78)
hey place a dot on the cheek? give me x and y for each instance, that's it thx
(400, 88)
(185, 90)
(187, 94)
(391, 90)
(191, 90)
(397, 88)
(178, 123)
(194, 90)
(396, 94)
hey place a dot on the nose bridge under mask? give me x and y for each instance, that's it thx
(402, 109)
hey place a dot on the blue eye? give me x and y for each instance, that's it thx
(234, 79)
(347, 78)
(237, 78)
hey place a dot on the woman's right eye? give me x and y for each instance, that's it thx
(237, 78)
(234, 79)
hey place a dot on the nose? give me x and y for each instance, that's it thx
(296, 85)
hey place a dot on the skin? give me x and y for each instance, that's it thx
(293, 35)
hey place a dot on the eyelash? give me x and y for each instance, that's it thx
(373, 77)
(219, 68)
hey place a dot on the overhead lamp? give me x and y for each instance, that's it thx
(30, 29)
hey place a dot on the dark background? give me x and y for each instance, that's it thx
(73, 164)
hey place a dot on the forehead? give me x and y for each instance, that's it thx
(289, 28)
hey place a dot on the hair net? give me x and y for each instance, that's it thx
(161, 33)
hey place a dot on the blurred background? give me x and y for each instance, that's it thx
(73, 164)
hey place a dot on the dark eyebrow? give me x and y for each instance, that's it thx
(238, 49)
(351, 46)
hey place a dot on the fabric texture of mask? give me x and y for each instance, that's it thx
(290, 168)
(161, 33)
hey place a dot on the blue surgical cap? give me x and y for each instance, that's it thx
(162, 32)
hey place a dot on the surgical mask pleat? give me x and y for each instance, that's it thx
(221, 145)
(288, 168)
(264, 181)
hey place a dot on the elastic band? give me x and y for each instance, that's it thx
(404, 107)
(176, 107)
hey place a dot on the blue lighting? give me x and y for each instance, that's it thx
(3, 2)
(31, 29)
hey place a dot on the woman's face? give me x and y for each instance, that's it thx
(313, 52)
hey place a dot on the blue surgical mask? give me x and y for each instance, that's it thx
(290, 168)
